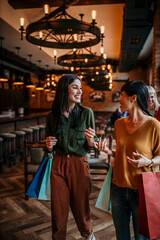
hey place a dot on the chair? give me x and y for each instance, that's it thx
(9, 152)
(28, 133)
(42, 132)
(101, 164)
(33, 156)
(35, 133)
(20, 136)
(1, 155)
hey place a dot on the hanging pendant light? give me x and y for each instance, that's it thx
(18, 81)
(39, 86)
(29, 83)
(3, 77)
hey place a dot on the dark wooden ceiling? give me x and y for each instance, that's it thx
(22, 4)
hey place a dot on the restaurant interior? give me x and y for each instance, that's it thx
(106, 43)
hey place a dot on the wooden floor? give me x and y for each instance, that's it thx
(29, 220)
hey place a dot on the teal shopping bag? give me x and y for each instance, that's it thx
(40, 185)
(44, 192)
(103, 201)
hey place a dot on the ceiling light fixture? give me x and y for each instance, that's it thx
(58, 29)
(81, 58)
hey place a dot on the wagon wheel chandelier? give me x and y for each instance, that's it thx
(81, 58)
(84, 61)
(60, 30)
(99, 82)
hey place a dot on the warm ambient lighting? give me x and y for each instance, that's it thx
(102, 50)
(18, 81)
(46, 8)
(94, 13)
(105, 56)
(61, 30)
(33, 94)
(109, 66)
(40, 34)
(102, 29)
(3, 77)
(39, 86)
(22, 22)
(75, 37)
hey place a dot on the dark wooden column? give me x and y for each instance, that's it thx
(156, 49)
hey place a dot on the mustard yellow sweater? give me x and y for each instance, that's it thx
(145, 140)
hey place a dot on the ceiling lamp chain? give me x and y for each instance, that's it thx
(60, 30)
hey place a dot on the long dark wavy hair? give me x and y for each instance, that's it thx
(61, 102)
(140, 89)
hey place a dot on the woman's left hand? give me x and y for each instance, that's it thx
(90, 133)
(140, 161)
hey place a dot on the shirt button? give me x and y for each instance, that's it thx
(68, 155)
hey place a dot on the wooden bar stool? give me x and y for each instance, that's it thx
(42, 132)
(9, 148)
(20, 137)
(28, 134)
(35, 133)
(1, 155)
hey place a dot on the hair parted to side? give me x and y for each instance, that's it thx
(61, 100)
(141, 91)
(151, 90)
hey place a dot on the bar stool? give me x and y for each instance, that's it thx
(35, 133)
(1, 155)
(9, 152)
(42, 132)
(20, 136)
(28, 134)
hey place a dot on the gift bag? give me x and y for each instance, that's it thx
(41, 182)
(103, 201)
(44, 192)
(149, 205)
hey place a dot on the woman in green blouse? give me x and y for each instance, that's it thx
(70, 135)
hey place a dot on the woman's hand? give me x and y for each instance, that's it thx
(102, 146)
(140, 161)
(51, 142)
(90, 133)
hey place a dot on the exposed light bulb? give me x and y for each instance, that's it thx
(102, 29)
(94, 15)
(46, 8)
(22, 22)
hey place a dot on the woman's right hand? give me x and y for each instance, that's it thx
(102, 146)
(51, 142)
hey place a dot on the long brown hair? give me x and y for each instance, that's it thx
(61, 102)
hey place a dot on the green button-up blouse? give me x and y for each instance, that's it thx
(71, 140)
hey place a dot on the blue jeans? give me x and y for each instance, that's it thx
(125, 204)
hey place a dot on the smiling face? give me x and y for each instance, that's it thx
(75, 91)
(151, 100)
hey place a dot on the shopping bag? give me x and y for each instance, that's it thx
(35, 186)
(104, 201)
(44, 192)
(149, 205)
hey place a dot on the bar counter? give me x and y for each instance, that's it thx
(10, 124)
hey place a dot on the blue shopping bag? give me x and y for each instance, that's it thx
(44, 192)
(104, 201)
(34, 189)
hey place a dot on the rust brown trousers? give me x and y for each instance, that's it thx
(70, 187)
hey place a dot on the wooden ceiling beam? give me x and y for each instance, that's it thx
(23, 4)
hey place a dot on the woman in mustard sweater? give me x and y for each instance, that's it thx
(137, 149)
